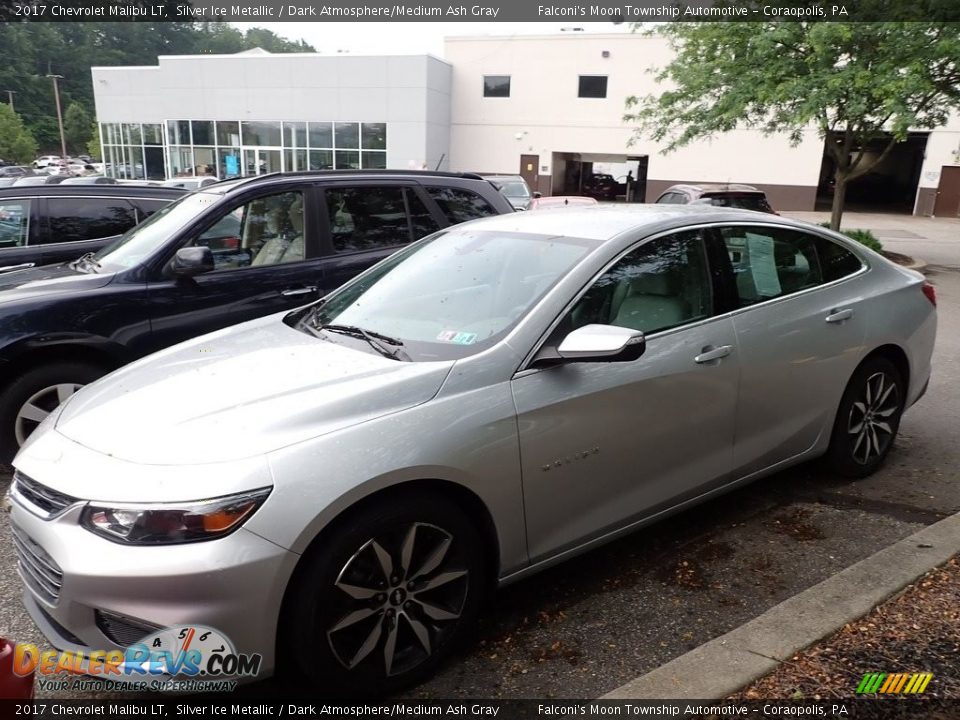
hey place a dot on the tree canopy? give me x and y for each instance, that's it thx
(29, 51)
(851, 82)
(16, 143)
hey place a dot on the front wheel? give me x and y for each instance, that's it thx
(27, 401)
(868, 419)
(382, 601)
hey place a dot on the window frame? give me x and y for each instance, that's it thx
(509, 86)
(606, 87)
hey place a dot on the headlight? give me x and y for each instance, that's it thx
(172, 523)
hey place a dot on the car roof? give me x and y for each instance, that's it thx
(711, 188)
(161, 193)
(607, 222)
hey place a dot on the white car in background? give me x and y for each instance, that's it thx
(45, 160)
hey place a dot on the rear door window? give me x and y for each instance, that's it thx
(371, 217)
(14, 223)
(460, 205)
(771, 262)
(88, 218)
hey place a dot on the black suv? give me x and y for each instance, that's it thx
(226, 253)
(45, 224)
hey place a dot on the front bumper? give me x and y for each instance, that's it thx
(234, 584)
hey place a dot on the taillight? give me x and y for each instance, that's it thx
(930, 292)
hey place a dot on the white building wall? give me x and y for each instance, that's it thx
(411, 93)
(545, 111)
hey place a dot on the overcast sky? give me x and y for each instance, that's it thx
(378, 38)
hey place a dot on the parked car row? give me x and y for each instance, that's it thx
(391, 413)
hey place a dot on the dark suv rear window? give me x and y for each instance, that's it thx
(748, 201)
(88, 218)
(460, 205)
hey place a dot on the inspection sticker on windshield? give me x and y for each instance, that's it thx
(460, 338)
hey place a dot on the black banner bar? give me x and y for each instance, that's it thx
(153, 709)
(478, 10)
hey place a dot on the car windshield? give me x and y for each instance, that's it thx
(140, 241)
(514, 189)
(451, 295)
(746, 201)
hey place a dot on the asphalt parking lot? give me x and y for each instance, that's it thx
(584, 628)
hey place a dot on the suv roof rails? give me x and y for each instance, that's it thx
(333, 173)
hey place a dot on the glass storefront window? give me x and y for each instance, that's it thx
(295, 160)
(152, 134)
(373, 136)
(321, 135)
(203, 132)
(111, 134)
(131, 134)
(229, 162)
(181, 162)
(178, 132)
(260, 133)
(347, 160)
(321, 159)
(347, 135)
(295, 134)
(205, 161)
(374, 160)
(228, 134)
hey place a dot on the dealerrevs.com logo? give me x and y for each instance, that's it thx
(187, 658)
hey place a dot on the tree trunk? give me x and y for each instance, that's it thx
(839, 197)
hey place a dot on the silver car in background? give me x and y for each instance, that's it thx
(338, 487)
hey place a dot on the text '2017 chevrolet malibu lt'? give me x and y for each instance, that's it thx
(337, 487)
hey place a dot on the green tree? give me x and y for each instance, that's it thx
(76, 127)
(852, 82)
(93, 145)
(16, 142)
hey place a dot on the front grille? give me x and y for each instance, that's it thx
(49, 501)
(38, 570)
(122, 630)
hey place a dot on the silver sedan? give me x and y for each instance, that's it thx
(337, 488)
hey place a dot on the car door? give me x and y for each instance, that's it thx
(605, 443)
(266, 261)
(18, 234)
(364, 222)
(800, 330)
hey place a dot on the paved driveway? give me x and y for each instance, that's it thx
(586, 627)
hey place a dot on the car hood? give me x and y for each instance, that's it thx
(47, 280)
(241, 392)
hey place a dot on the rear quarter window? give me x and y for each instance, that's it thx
(460, 205)
(836, 262)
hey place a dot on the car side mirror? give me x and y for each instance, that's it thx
(602, 343)
(191, 261)
(537, 194)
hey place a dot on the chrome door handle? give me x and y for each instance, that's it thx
(838, 316)
(11, 268)
(710, 353)
(294, 292)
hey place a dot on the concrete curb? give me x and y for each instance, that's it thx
(722, 666)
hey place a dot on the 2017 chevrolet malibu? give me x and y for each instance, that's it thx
(336, 488)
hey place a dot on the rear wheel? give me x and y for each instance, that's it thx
(383, 600)
(27, 401)
(868, 419)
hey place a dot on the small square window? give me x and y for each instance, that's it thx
(593, 86)
(496, 86)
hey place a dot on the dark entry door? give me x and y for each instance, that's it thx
(530, 171)
(947, 203)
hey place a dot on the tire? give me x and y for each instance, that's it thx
(868, 419)
(336, 639)
(38, 387)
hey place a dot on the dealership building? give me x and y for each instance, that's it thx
(547, 107)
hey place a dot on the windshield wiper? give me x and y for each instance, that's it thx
(84, 262)
(375, 339)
